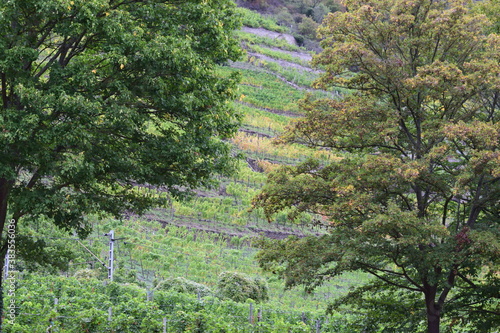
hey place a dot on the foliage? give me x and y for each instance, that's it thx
(262, 119)
(255, 20)
(183, 285)
(319, 12)
(308, 27)
(490, 9)
(281, 43)
(283, 17)
(265, 89)
(256, 144)
(83, 306)
(414, 201)
(277, 54)
(86, 273)
(97, 96)
(239, 287)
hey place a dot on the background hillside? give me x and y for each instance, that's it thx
(213, 232)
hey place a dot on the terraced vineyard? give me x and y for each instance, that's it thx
(214, 231)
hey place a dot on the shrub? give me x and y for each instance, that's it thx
(299, 39)
(308, 28)
(285, 18)
(240, 287)
(182, 285)
(86, 273)
(319, 12)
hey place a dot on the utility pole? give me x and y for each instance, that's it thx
(111, 236)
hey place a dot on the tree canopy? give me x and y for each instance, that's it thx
(98, 96)
(415, 198)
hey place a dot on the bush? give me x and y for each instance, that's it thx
(284, 18)
(183, 285)
(299, 39)
(319, 12)
(240, 287)
(308, 28)
(86, 273)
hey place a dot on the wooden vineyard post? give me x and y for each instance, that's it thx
(110, 316)
(250, 315)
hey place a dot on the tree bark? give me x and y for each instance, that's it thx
(4, 195)
(433, 321)
(433, 310)
(3, 215)
(5, 186)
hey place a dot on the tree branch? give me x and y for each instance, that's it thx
(391, 282)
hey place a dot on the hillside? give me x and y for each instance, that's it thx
(198, 239)
(180, 166)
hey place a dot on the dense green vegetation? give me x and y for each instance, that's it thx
(68, 304)
(149, 255)
(93, 93)
(175, 264)
(416, 202)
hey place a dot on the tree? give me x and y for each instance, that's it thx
(308, 27)
(99, 96)
(415, 199)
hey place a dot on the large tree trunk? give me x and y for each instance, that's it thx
(433, 310)
(433, 320)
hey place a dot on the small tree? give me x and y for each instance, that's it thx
(415, 200)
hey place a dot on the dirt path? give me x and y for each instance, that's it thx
(229, 231)
(270, 34)
(283, 63)
(305, 56)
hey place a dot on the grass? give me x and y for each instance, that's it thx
(293, 151)
(255, 20)
(272, 42)
(263, 119)
(278, 55)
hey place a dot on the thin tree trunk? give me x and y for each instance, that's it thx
(4, 193)
(5, 186)
(4, 196)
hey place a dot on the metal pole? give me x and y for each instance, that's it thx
(111, 236)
